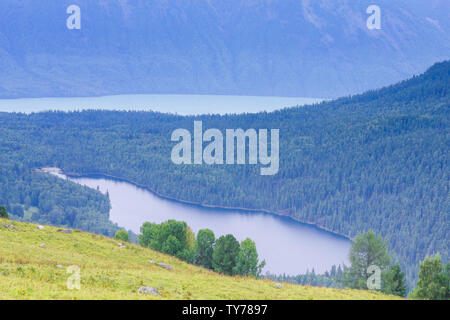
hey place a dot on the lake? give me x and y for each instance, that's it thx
(168, 103)
(287, 246)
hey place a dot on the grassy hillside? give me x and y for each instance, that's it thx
(30, 271)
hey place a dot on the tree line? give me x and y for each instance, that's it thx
(33, 196)
(372, 267)
(224, 255)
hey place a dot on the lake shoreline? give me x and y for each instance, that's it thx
(175, 104)
(193, 203)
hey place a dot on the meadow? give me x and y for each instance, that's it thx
(34, 262)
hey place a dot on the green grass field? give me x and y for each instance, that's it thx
(29, 271)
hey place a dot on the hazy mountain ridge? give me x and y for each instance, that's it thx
(286, 48)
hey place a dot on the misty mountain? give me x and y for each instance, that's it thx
(319, 48)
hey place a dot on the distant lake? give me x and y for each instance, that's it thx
(287, 246)
(180, 104)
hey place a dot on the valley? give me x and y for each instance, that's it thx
(349, 165)
(305, 247)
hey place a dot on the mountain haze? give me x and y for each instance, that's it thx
(309, 48)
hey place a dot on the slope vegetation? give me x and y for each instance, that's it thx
(33, 265)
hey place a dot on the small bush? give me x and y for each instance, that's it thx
(3, 213)
(122, 235)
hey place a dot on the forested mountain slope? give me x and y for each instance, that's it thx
(319, 48)
(377, 161)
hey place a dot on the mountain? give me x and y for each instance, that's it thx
(29, 271)
(376, 161)
(319, 48)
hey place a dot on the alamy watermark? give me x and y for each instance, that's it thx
(74, 279)
(374, 20)
(374, 280)
(236, 152)
(73, 22)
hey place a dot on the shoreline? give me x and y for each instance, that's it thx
(187, 202)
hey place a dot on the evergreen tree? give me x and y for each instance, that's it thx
(333, 271)
(433, 281)
(367, 250)
(205, 248)
(394, 281)
(247, 263)
(447, 279)
(3, 213)
(225, 254)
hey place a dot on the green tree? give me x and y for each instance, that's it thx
(171, 245)
(247, 263)
(122, 235)
(186, 255)
(367, 250)
(394, 281)
(3, 213)
(190, 239)
(148, 232)
(433, 281)
(205, 248)
(447, 279)
(188, 252)
(171, 237)
(173, 228)
(225, 254)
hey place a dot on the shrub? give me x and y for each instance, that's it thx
(122, 235)
(3, 213)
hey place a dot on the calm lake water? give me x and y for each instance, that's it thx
(287, 246)
(181, 104)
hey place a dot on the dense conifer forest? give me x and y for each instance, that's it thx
(378, 160)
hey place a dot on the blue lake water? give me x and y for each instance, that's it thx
(287, 246)
(181, 104)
